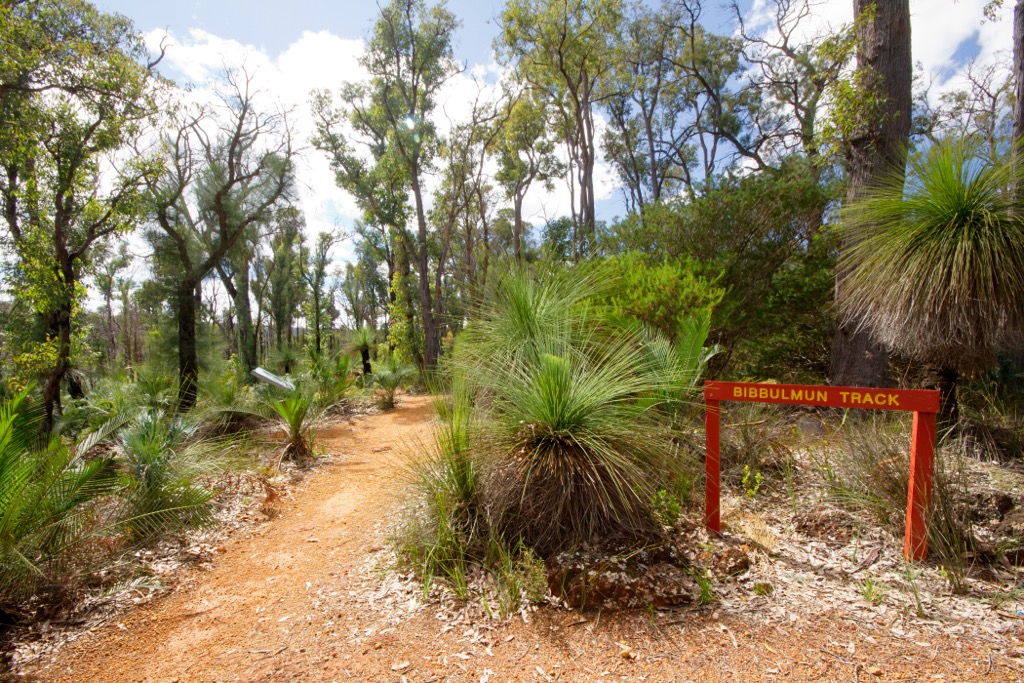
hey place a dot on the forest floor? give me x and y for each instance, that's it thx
(308, 595)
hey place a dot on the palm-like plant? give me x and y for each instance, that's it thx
(389, 377)
(47, 498)
(936, 266)
(166, 459)
(297, 413)
(575, 445)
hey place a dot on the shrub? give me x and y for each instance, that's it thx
(48, 497)
(166, 459)
(389, 377)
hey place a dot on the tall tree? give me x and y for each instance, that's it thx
(526, 155)
(74, 90)
(878, 145)
(320, 309)
(409, 58)
(222, 174)
(563, 49)
(286, 287)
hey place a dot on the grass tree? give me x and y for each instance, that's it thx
(574, 445)
(936, 266)
(390, 376)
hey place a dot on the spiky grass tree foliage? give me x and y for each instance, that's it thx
(389, 377)
(48, 496)
(167, 459)
(936, 268)
(569, 431)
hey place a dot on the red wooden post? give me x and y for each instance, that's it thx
(712, 466)
(922, 456)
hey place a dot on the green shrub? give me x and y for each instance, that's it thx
(389, 377)
(48, 500)
(166, 459)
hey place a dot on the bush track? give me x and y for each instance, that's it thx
(288, 602)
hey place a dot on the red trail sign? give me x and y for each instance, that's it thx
(923, 403)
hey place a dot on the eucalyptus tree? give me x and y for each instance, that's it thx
(75, 88)
(878, 137)
(286, 289)
(526, 154)
(107, 265)
(320, 310)
(223, 171)
(649, 102)
(791, 80)
(563, 50)
(409, 59)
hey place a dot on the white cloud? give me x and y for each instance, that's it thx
(937, 29)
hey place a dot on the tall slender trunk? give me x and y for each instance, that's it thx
(243, 313)
(517, 228)
(883, 50)
(431, 349)
(188, 359)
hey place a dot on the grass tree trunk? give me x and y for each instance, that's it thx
(188, 356)
(944, 379)
(1018, 132)
(883, 52)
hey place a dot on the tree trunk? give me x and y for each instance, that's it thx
(883, 48)
(1018, 72)
(188, 358)
(60, 330)
(517, 229)
(944, 379)
(431, 349)
(243, 314)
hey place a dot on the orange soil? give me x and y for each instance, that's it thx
(288, 602)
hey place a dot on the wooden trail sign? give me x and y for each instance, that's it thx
(924, 403)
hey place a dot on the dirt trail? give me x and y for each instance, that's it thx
(290, 603)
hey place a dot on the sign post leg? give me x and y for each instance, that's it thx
(712, 467)
(922, 456)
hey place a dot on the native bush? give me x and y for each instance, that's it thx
(48, 499)
(389, 376)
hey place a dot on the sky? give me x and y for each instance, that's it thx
(294, 47)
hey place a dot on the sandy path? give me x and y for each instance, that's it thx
(252, 607)
(289, 603)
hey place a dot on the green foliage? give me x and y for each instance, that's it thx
(661, 295)
(297, 413)
(936, 265)
(758, 238)
(389, 377)
(48, 496)
(65, 506)
(752, 480)
(165, 458)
